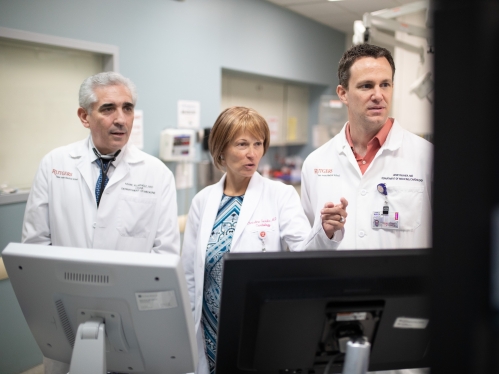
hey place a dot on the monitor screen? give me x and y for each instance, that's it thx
(139, 299)
(295, 312)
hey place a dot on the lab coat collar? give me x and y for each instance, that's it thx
(93, 157)
(80, 148)
(392, 143)
(83, 151)
(251, 198)
(210, 214)
(341, 145)
(129, 153)
(395, 137)
(250, 201)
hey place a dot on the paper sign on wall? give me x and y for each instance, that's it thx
(337, 104)
(292, 128)
(273, 122)
(188, 114)
(137, 134)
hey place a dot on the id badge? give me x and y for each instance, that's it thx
(390, 221)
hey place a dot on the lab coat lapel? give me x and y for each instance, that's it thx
(392, 143)
(129, 155)
(394, 139)
(251, 199)
(343, 148)
(210, 214)
(122, 169)
(83, 165)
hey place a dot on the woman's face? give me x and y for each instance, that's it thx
(242, 155)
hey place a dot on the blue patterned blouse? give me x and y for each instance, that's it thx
(218, 244)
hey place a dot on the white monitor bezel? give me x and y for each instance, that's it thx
(163, 334)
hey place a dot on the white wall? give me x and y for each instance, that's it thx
(413, 113)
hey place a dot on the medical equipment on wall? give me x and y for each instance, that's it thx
(177, 145)
(422, 87)
(370, 30)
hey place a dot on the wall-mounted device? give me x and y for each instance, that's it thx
(368, 30)
(423, 86)
(177, 145)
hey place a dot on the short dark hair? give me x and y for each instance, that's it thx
(357, 52)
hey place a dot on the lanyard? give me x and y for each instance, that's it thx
(381, 187)
(262, 235)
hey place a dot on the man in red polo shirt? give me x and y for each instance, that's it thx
(370, 186)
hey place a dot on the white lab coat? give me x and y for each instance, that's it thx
(404, 163)
(137, 212)
(268, 206)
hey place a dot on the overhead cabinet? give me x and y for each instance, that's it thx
(283, 105)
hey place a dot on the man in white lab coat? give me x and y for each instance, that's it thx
(102, 192)
(373, 171)
(370, 186)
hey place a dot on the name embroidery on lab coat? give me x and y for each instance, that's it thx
(262, 222)
(403, 177)
(63, 174)
(138, 188)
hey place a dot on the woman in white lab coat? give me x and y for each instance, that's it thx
(244, 212)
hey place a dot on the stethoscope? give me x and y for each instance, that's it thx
(104, 169)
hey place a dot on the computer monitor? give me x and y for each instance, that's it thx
(295, 312)
(70, 296)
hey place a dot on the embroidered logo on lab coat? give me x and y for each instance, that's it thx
(60, 174)
(325, 173)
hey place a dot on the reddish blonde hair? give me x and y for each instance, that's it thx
(231, 122)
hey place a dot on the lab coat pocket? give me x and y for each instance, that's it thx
(408, 202)
(135, 215)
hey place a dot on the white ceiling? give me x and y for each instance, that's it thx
(337, 14)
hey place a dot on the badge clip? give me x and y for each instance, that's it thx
(386, 209)
(261, 236)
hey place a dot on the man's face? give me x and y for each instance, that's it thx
(369, 93)
(111, 119)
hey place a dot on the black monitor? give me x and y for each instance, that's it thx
(294, 312)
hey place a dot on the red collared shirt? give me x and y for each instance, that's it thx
(372, 147)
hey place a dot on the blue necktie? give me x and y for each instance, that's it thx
(103, 164)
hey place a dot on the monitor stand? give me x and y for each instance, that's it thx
(89, 353)
(356, 356)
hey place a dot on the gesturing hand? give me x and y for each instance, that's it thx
(334, 216)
